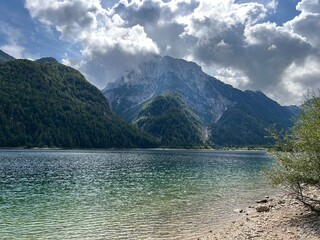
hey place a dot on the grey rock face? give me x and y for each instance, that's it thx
(222, 109)
(205, 95)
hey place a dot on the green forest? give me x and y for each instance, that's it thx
(168, 118)
(47, 104)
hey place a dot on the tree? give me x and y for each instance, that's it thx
(298, 163)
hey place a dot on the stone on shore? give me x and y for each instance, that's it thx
(262, 201)
(262, 209)
(284, 218)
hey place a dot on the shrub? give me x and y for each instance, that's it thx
(297, 157)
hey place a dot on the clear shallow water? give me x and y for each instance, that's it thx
(137, 194)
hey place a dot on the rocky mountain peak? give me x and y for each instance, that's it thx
(213, 101)
(162, 74)
(157, 67)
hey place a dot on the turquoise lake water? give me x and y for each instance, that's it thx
(127, 194)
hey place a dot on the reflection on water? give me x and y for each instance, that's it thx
(136, 194)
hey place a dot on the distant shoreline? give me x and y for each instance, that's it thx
(155, 149)
(130, 149)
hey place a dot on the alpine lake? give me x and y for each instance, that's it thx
(125, 194)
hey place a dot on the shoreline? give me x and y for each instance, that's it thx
(130, 149)
(277, 217)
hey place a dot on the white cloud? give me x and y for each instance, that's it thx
(108, 47)
(11, 34)
(231, 37)
(13, 41)
(213, 18)
(304, 75)
(298, 79)
(70, 18)
(232, 77)
(236, 37)
(14, 50)
(312, 6)
(307, 24)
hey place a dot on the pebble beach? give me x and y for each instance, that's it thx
(271, 218)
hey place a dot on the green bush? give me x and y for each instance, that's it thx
(297, 164)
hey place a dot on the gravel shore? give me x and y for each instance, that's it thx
(279, 217)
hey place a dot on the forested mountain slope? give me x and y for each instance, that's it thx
(44, 103)
(168, 118)
(232, 117)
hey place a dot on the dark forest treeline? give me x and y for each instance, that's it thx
(47, 104)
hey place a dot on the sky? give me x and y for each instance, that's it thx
(267, 45)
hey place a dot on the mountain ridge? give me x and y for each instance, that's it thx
(168, 118)
(4, 57)
(47, 104)
(166, 68)
(206, 96)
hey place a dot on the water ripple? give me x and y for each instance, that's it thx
(124, 194)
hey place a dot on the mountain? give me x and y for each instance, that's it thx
(232, 116)
(44, 103)
(295, 110)
(168, 118)
(47, 60)
(4, 57)
(240, 127)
